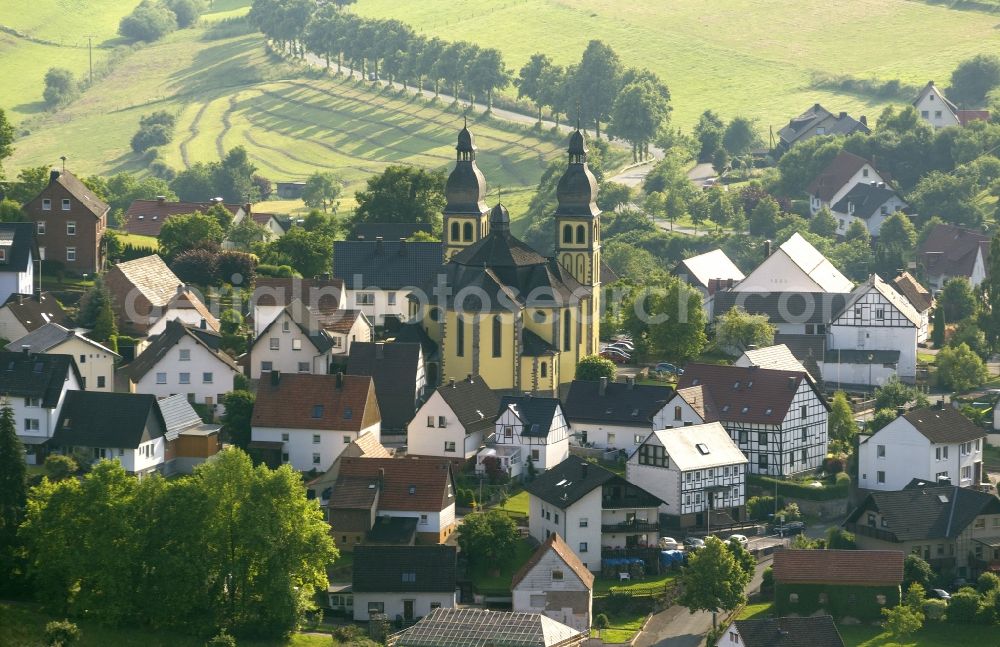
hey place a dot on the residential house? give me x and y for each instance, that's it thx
(274, 227)
(347, 327)
(454, 421)
(144, 290)
(796, 316)
(293, 342)
(555, 583)
(935, 109)
(817, 121)
(612, 415)
(529, 430)
(927, 443)
(777, 418)
(593, 508)
(795, 266)
(838, 178)
(187, 360)
(470, 627)
(35, 388)
(954, 529)
(126, 427)
(187, 308)
(146, 217)
(842, 583)
(949, 252)
(23, 313)
(777, 357)
(18, 254)
(306, 420)
(407, 582)
(871, 203)
(188, 441)
(709, 272)
(873, 338)
(367, 445)
(95, 362)
(69, 223)
(389, 230)
(400, 379)
(414, 333)
(392, 501)
(324, 297)
(379, 275)
(812, 631)
(689, 406)
(698, 472)
(920, 298)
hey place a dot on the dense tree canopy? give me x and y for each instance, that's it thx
(13, 498)
(322, 190)
(713, 580)
(190, 231)
(594, 367)
(973, 79)
(402, 194)
(737, 330)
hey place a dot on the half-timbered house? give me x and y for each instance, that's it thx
(777, 418)
(534, 426)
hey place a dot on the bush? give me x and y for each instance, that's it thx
(762, 507)
(804, 490)
(237, 268)
(59, 467)
(987, 582)
(199, 266)
(275, 271)
(186, 12)
(601, 621)
(146, 138)
(61, 633)
(148, 22)
(934, 609)
(843, 479)
(767, 579)
(221, 639)
(833, 465)
(60, 87)
(964, 606)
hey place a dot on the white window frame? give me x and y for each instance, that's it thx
(66, 205)
(46, 204)
(40, 227)
(71, 228)
(71, 254)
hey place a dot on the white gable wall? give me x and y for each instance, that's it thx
(546, 452)
(860, 328)
(529, 596)
(676, 413)
(426, 437)
(301, 450)
(287, 358)
(202, 361)
(866, 174)
(935, 111)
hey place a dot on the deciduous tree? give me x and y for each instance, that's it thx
(714, 580)
(973, 79)
(594, 367)
(737, 330)
(402, 194)
(236, 419)
(960, 369)
(13, 499)
(488, 537)
(190, 231)
(957, 299)
(842, 427)
(322, 190)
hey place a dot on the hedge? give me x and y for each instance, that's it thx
(855, 601)
(797, 490)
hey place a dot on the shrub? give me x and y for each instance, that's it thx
(61, 633)
(148, 137)
(237, 268)
(275, 271)
(987, 582)
(185, 12)
(601, 621)
(761, 507)
(59, 467)
(934, 609)
(843, 479)
(148, 22)
(964, 606)
(60, 87)
(833, 465)
(198, 266)
(221, 639)
(767, 579)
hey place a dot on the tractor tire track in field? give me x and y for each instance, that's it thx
(295, 158)
(227, 125)
(194, 131)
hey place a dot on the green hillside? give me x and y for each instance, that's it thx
(747, 57)
(229, 91)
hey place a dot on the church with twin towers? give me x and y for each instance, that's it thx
(502, 310)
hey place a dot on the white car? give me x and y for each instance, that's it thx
(668, 543)
(741, 539)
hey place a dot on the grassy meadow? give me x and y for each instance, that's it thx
(738, 57)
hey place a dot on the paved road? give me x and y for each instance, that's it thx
(677, 627)
(700, 173)
(635, 175)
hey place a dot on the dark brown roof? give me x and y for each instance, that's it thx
(815, 631)
(321, 296)
(747, 394)
(965, 116)
(951, 251)
(173, 333)
(338, 402)
(700, 399)
(556, 544)
(866, 567)
(34, 312)
(146, 217)
(836, 174)
(80, 191)
(408, 484)
(472, 401)
(918, 296)
(342, 321)
(394, 368)
(943, 425)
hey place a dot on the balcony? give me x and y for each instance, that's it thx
(870, 531)
(637, 525)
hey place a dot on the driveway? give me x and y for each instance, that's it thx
(700, 173)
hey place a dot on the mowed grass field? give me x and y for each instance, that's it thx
(749, 57)
(293, 121)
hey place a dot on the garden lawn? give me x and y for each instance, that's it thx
(622, 627)
(517, 504)
(935, 634)
(741, 57)
(498, 583)
(138, 240)
(750, 611)
(23, 625)
(648, 585)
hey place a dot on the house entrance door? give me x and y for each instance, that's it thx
(407, 610)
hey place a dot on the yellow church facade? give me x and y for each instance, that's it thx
(501, 310)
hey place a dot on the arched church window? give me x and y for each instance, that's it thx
(497, 336)
(467, 231)
(543, 370)
(567, 331)
(455, 232)
(581, 267)
(435, 314)
(581, 235)
(568, 234)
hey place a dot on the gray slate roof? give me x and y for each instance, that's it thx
(173, 333)
(380, 569)
(36, 376)
(386, 265)
(473, 402)
(536, 413)
(178, 415)
(621, 404)
(866, 200)
(574, 478)
(387, 230)
(100, 419)
(35, 311)
(784, 307)
(943, 425)
(940, 512)
(470, 627)
(48, 336)
(393, 367)
(17, 239)
(817, 631)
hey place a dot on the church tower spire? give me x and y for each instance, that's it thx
(577, 216)
(466, 216)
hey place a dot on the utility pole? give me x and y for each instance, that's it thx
(90, 57)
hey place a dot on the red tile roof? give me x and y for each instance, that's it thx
(321, 296)
(836, 174)
(291, 400)
(146, 217)
(409, 484)
(965, 116)
(745, 394)
(868, 567)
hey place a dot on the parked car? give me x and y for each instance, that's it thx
(615, 357)
(693, 543)
(940, 594)
(625, 348)
(620, 353)
(622, 342)
(667, 543)
(789, 529)
(667, 367)
(740, 539)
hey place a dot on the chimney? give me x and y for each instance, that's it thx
(381, 477)
(583, 469)
(864, 120)
(20, 299)
(160, 199)
(379, 350)
(275, 378)
(340, 380)
(402, 247)
(53, 175)
(767, 248)
(451, 383)
(468, 378)
(900, 411)
(939, 404)
(602, 387)
(791, 382)
(843, 115)
(26, 348)
(378, 244)
(180, 288)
